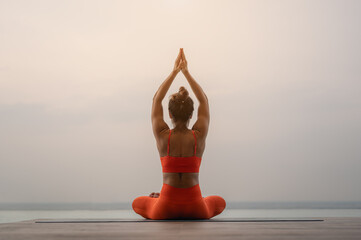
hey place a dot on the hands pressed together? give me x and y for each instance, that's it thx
(181, 62)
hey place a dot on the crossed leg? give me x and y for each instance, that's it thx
(215, 204)
(143, 205)
(158, 208)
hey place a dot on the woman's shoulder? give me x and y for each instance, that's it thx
(163, 135)
(201, 136)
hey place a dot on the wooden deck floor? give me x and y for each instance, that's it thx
(330, 228)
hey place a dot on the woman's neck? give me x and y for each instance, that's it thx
(180, 127)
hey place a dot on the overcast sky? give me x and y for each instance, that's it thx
(77, 80)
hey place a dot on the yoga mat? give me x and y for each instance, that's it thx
(178, 220)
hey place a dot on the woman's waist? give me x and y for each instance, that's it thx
(181, 180)
(181, 195)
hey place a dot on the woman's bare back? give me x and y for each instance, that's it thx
(182, 144)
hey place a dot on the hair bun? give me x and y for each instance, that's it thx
(183, 93)
(180, 105)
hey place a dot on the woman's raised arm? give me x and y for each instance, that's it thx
(202, 123)
(158, 123)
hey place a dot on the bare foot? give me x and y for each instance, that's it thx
(154, 195)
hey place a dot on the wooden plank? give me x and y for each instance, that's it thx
(330, 228)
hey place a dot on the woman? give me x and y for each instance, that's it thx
(180, 150)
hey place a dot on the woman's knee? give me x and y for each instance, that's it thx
(221, 202)
(216, 204)
(143, 205)
(139, 204)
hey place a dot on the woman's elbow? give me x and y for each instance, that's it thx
(156, 98)
(203, 100)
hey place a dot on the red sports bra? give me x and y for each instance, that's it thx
(181, 164)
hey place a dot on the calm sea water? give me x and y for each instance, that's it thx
(21, 212)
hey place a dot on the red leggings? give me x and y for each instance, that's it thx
(179, 203)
